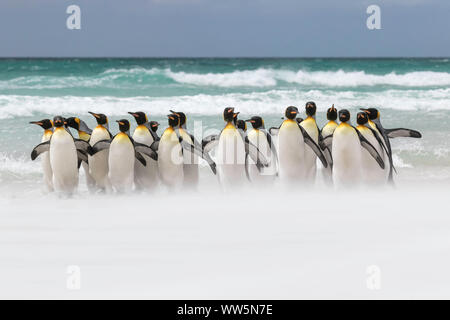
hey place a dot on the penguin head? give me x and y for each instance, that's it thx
(332, 113)
(124, 125)
(140, 117)
(372, 113)
(310, 109)
(154, 125)
(257, 122)
(291, 112)
(240, 124)
(73, 122)
(174, 120)
(182, 117)
(100, 117)
(45, 124)
(362, 118)
(59, 121)
(228, 114)
(344, 115)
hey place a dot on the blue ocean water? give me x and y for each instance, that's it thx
(412, 93)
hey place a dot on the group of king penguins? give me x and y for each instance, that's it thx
(349, 155)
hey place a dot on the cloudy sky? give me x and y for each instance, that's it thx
(222, 28)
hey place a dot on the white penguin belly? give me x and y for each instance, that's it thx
(121, 163)
(291, 153)
(310, 127)
(267, 174)
(170, 160)
(346, 157)
(145, 177)
(231, 158)
(98, 164)
(64, 161)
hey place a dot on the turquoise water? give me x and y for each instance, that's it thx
(412, 93)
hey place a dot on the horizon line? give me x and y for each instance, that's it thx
(219, 57)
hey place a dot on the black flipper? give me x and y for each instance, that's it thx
(388, 147)
(402, 133)
(40, 148)
(274, 131)
(155, 146)
(271, 145)
(142, 148)
(314, 146)
(255, 154)
(140, 158)
(369, 147)
(82, 156)
(198, 151)
(210, 142)
(99, 146)
(81, 145)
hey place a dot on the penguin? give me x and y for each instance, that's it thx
(170, 155)
(84, 133)
(310, 126)
(259, 137)
(47, 125)
(145, 177)
(328, 129)
(371, 171)
(190, 160)
(233, 148)
(98, 164)
(64, 152)
(347, 154)
(375, 123)
(292, 142)
(121, 158)
(171, 148)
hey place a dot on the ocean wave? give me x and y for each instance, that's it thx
(263, 77)
(267, 102)
(18, 166)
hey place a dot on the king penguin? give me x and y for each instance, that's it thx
(47, 125)
(64, 159)
(121, 159)
(327, 130)
(310, 126)
(98, 164)
(146, 177)
(292, 142)
(259, 137)
(346, 152)
(372, 173)
(386, 134)
(233, 149)
(84, 133)
(190, 160)
(170, 155)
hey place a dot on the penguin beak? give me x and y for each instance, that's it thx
(36, 122)
(235, 115)
(294, 112)
(94, 114)
(120, 122)
(365, 110)
(133, 114)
